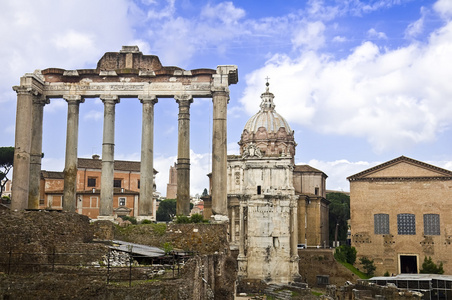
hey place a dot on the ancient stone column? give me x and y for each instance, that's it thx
(232, 224)
(241, 258)
(108, 153)
(70, 166)
(293, 230)
(21, 167)
(36, 151)
(219, 153)
(147, 156)
(183, 155)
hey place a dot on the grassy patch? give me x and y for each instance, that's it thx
(316, 293)
(354, 270)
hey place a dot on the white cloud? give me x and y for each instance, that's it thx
(393, 98)
(417, 26)
(339, 39)
(309, 35)
(372, 33)
(94, 115)
(444, 8)
(225, 11)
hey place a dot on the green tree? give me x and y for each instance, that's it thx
(429, 267)
(339, 214)
(346, 254)
(368, 265)
(6, 164)
(166, 210)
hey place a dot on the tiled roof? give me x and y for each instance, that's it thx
(52, 175)
(441, 172)
(120, 165)
(306, 168)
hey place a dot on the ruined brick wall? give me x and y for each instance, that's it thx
(321, 262)
(201, 238)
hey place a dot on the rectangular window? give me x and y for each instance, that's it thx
(138, 183)
(431, 224)
(117, 183)
(259, 189)
(91, 181)
(381, 224)
(122, 201)
(406, 224)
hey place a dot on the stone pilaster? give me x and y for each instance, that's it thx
(70, 166)
(219, 152)
(145, 207)
(183, 155)
(36, 150)
(108, 154)
(21, 167)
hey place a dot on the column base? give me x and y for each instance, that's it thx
(105, 218)
(219, 219)
(141, 218)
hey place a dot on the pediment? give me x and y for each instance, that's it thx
(402, 168)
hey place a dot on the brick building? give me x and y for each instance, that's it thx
(126, 185)
(401, 212)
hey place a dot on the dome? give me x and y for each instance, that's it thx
(268, 130)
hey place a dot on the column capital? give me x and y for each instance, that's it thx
(24, 90)
(110, 99)
(186, 99)
(41, 100)
(73, 99)
(220, 93)
(148, 98)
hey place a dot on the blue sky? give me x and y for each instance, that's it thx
(360, 82)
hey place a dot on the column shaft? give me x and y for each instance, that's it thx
(219, 153)
(183, 155)
(21, 167)
(108, 153)
(147, 157)
(36, 151)
(70, 166)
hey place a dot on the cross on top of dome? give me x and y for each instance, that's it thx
(267, 98)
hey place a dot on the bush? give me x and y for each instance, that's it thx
(146, 221)
(196, 218)
(129, 218)
(368, 265)
(167, 247)
(182, 220)
(386, 274)
(346, 254)
(429, 267)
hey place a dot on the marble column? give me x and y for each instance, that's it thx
(232, 225)
(145, 207)
(36, 151)
(108, 154)
(70, 166)
(219, 153)
(183, 155)
(21, 167)
(293, 230)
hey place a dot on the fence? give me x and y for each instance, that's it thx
(114, 267)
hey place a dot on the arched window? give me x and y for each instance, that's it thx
(381, 224)
(406, 224)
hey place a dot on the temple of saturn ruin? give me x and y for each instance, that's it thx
(124, 74)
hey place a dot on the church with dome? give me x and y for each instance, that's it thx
(275, 207)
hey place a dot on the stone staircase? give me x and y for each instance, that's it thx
(278, 292)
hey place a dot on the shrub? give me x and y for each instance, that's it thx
(368, 265)
(146, 221)
(386, 274)
(129, 218)
(429, 267)
(346, 254)
(167, 247)
(182, 220)
(196, 218)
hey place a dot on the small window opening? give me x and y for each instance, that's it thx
(316, 190)
(259, 190)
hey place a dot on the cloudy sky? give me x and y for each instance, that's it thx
(360, 82)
